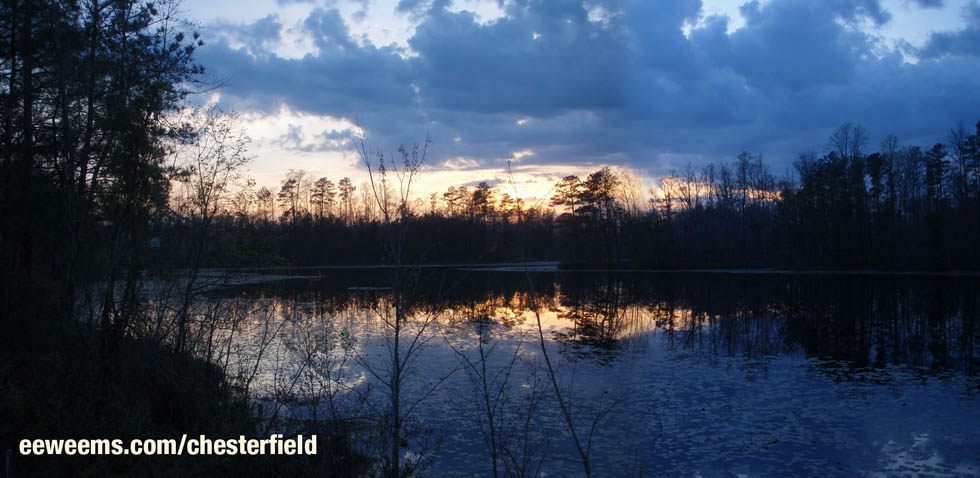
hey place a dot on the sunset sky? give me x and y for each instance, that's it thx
(562, 87)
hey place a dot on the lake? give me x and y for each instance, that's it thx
(662, 373)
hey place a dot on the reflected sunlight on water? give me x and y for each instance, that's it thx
(702, 375)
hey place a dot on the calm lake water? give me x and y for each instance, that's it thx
(681, 374)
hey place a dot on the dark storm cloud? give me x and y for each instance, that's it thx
(257, 37)
(624, 84)
(961, 42)
(329, 31)
(792, 46)
(546, 61)
(343, 79)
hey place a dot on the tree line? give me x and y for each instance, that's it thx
(899, 207)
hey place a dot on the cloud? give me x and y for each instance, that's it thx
(411, 6)
(490, 182)
(854, 10)
(962, 42)
(342, 79)
(791, 45)
(329, 31)
(543, 62)
(929, 3)
(641, 83)
(292, 139)
(258, 38)
(335, 140)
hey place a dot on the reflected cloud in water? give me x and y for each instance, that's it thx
(708, 373)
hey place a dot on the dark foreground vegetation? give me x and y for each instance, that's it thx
(89, 92)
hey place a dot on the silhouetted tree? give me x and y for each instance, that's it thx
(346, 193)
(323, 196)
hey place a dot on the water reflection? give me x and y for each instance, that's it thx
(716, 373)
(867, 321)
